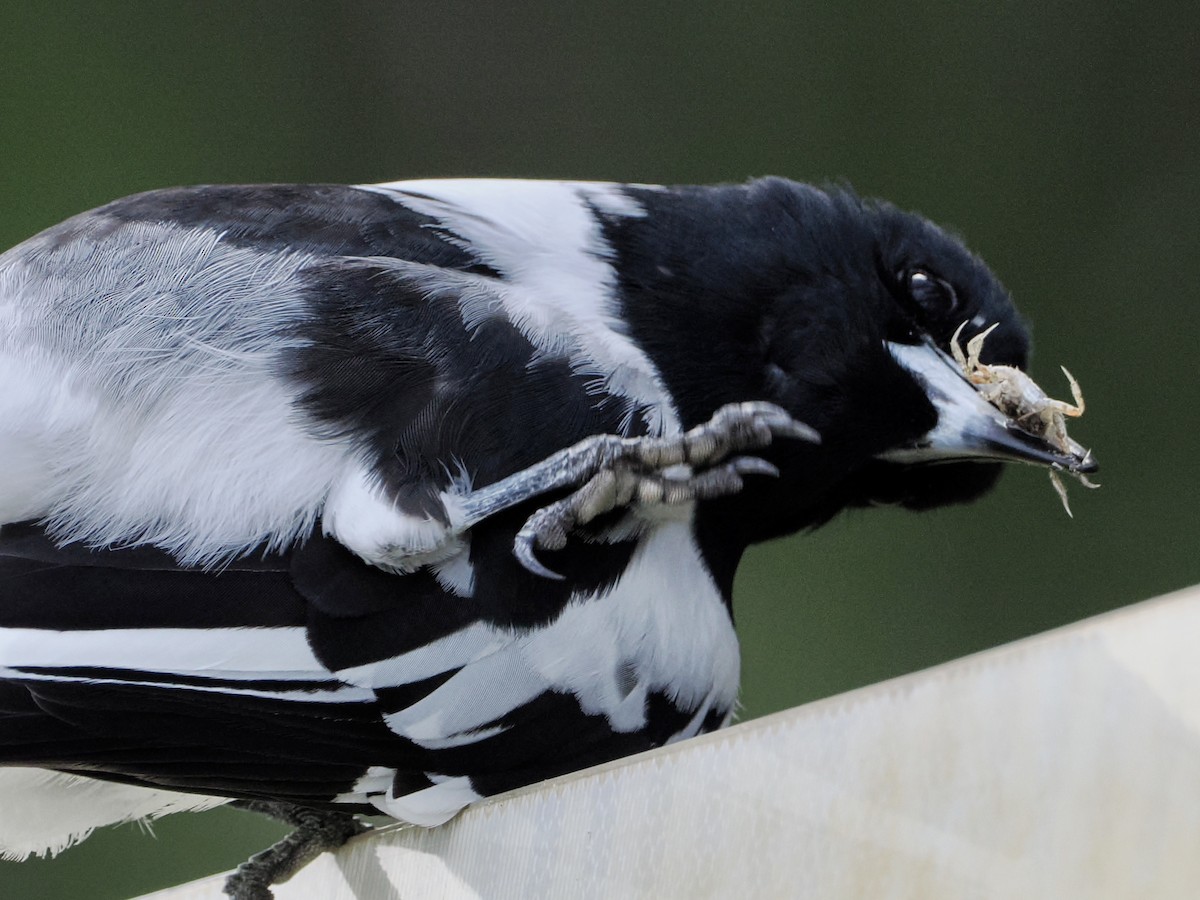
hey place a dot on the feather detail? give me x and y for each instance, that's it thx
(45, 812)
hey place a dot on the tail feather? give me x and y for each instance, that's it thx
(43, 812)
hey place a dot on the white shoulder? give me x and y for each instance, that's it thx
(546, 238)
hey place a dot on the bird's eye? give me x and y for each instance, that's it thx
(932, 294)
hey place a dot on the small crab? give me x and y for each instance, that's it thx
(1020, 399)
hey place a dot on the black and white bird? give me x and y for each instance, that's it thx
(266, 453)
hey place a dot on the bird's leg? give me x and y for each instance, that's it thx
(608, 471)
(316, 832)
(613, 472)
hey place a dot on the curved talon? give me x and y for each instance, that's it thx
(781, 424)
(524, 552)
(754, 465)
(800, 432)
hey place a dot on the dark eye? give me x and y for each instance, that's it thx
(934, 295)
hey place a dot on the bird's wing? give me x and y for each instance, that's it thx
(121, 665)
(314, 678)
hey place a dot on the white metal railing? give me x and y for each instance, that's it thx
(1065, 765)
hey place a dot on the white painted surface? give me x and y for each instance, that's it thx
(1062, 766)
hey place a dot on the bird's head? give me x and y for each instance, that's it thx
(865, 306)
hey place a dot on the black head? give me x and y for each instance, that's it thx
(841, 310)
(850, 343)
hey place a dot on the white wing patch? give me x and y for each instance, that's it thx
(234, 660)
(559, 288)
(662, 627)
(251, 653)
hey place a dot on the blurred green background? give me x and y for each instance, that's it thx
(1060, 139)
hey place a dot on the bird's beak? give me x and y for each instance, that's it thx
(968, 426)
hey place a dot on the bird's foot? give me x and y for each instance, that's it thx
(615, 472)
(316, 832)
